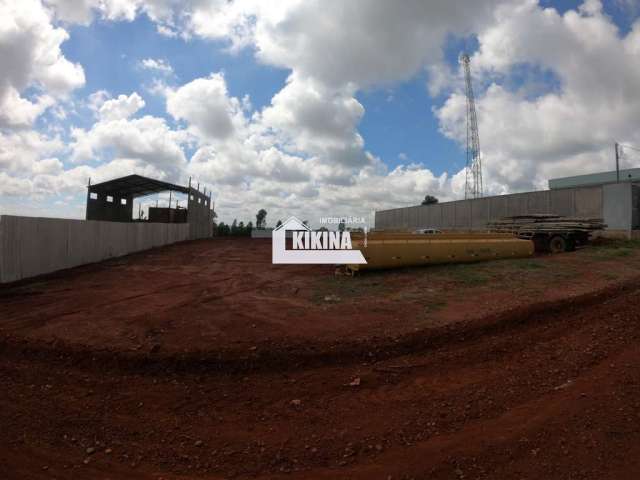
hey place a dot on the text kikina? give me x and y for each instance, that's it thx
(313, 247)
(321, 240)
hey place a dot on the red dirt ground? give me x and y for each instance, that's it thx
(203, 360)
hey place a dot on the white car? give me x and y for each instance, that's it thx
(427, 231)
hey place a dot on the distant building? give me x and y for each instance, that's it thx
(112, 201)
(626, 175)
(595, 196)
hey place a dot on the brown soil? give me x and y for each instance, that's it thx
(203, 360)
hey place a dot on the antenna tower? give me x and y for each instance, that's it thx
(473, 184)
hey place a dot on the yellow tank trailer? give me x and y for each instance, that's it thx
(392, 250)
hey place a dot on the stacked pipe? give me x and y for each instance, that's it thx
(523, 225)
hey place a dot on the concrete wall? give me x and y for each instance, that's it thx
(199, 214)
(621, 206)
(167, 215)
(475, 214)
(261, 233)
(118, 209)
(32, 246)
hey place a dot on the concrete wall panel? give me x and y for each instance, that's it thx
(480, 213)
(618, 208)
(561, 202)
(516, 205)
(423, 216)
(463, 214)
(386, 219)
(394, 219)
(537, 202)
(389, 219)
(498, 207)
(588, 202)
(413, 217)
(35, 246)
(379, 219)
(199, 214)
(435, 216)
(448, 215)
(53, 257)
(404, 216)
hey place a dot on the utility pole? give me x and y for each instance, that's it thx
(88, 199)
(617, 162)
(473, 183)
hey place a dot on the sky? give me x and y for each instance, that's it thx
(312, 108)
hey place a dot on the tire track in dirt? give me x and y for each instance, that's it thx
(554, 396)
(291, 356)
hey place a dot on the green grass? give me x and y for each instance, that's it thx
(515, 272)
(345, 287)
(435, 306)
(469, 274)
(611, 249)
(529, 265)
(608, 244)
(620, 252)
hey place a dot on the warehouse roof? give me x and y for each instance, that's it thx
(600, 178)
(135, 186)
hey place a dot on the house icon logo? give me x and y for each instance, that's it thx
(313, 247)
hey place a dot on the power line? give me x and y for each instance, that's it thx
(625, 145)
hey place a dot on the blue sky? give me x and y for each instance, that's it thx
(313, 95)
(110, 53)
(399, 125)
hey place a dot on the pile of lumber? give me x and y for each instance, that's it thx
(545, 223)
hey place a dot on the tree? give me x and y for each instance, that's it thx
(223, 229)
(261, 219)
(429, 200)
(234, 227)
(341, 226)
(279, 223)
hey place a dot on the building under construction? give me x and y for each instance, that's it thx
(112, 201)
(31, 246)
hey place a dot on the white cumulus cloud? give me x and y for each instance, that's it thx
(157, 65)
(303, 153)
(30, 56)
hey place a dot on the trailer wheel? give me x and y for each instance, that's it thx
(557, 244)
